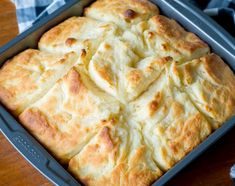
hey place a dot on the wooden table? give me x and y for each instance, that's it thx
(210, 169)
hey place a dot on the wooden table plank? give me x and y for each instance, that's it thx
(15, 170)
(8, 24)
(210, 169)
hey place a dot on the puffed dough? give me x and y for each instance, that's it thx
(170, 123)
(115, 156)
(69, 115)
(115, 68)
(210, 84)
(79, 34)
(120, 95)
(124, 13)
(165, 37)
(25, 78)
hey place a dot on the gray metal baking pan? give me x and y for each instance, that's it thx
(187, 15)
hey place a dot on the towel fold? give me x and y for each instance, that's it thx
(30, 11)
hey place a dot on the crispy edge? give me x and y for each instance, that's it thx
(171, 30)
(36, 122)
(7, 97)
(60, 30)
(129, 13)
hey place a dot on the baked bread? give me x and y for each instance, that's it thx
(170, 123)
(116, 69)
(165, 37)
(119, 157)
(29, 75)
(123, 13)
(66, 118)
(79, 34)
(120, 95)
(210, 84)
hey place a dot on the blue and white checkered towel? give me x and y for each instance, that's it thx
(30, 11)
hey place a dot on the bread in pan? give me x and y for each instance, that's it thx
(28, 76)
(170, 123)
(66, 118)
(79, 34)
(166, 37)
(210, 84)
(120, 95)
(116, 68)
(119, 156)
(123, 13)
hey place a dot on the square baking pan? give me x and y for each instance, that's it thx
(187, 15)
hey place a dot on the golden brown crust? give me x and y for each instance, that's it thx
(78, 34)
(117, 69)
(100, 154)
(67, 117)
(183, 136)
(116, 159)
(219, 71)
(122, 12)
(154, 104)
(29, 75)
(129, 14)
(171, 125)
(36, 122)
(166, 91)
(134, 77)
(63, 29)
(210, 84)
(167, 37)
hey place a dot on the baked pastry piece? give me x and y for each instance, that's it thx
(210, 84)
(79, 34)
(124, 13)
(165, 37)
(66, 118)
(118, 156)
(118, 70)
(171, 125)
(29, 75)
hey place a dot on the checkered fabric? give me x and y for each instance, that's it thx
(30, 11)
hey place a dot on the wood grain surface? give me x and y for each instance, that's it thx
(210, 169)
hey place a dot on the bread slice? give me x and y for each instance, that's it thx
(115, 156)
(66, 118)
(29, 75)
(115, 68)
(124, 13)
(210, 84)
(165, 37)
(79, 34)
(171, 125)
